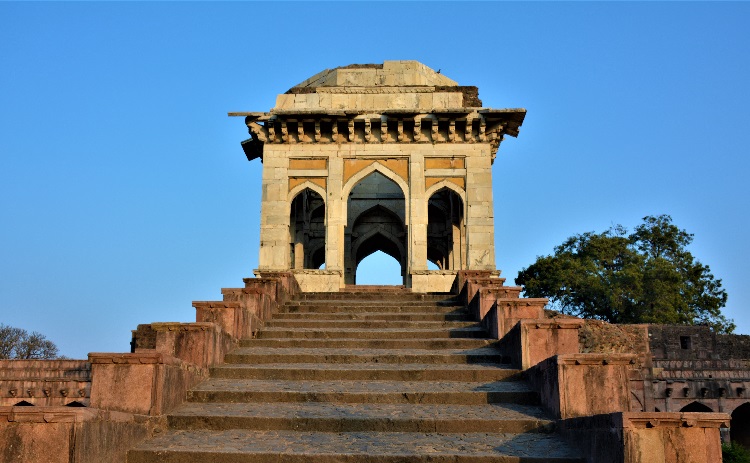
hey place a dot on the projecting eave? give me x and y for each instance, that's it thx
(515, 114)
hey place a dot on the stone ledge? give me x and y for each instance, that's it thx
(218, 304)
(138, 358)
(53, 414)
(178, 326)
(316, 272)
(566, 324)
(527, 301)
(434, 272)
(641, 420)
(597, 359)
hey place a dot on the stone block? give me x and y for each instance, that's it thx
(648, 437)
(148, 383)
(575, 385)
(433, 281)
(504, 313)
(69, 435)
(201, 344)
(532, 341)
(319, 280)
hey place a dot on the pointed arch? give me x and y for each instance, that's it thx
(696, 407)
(386, 172)
(385, 234)
(739, 429)
(301, 187)
(446, 226)
(307, 226)
(446, 184)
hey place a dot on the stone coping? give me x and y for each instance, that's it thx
(63, 414)
(311, 271)
(138, 358)
(44, 364)
(179, 326)
(528, 301)
(565, 323)
(434, 272)
(674, 420)
(596, 359)
(235, 291)
(219, 304)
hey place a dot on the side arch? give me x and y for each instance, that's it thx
(301, 187)
(449, 185)
(739, 429)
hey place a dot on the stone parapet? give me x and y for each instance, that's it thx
(148, 383)
(468, 282)
(532, 341)
(239, 318)
(52, 434)
(202, 344)
(575, 385)
(503, 313)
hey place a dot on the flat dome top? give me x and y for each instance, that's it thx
(388, 74)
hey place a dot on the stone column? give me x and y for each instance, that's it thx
(335, 211)
(417, 229)
(274, 216)
(480, 220)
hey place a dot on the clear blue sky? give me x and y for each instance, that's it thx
(125, 195)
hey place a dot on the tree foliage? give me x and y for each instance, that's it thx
(17, 343)
(647, 276)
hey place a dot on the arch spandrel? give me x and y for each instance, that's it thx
(399, 167)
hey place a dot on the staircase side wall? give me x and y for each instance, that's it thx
(130, 393)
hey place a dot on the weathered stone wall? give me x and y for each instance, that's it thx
(45, 382)
(596, 336)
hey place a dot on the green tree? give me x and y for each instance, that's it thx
(647, 276)
(17, 343)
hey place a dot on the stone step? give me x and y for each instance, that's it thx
(441, 343)
(365, 371)
(242, 446)
(370, 392)
(326, 417)
(380, 324)
(370, 333)
(374, 296)
(384, 316)
(323, 355)
(331, 307)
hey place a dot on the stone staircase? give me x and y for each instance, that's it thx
(362, 376)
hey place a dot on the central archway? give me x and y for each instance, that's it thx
(376, 213)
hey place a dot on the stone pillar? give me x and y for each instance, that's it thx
(417, 227)
(274, 215)
(480, 220)
(335, 213)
